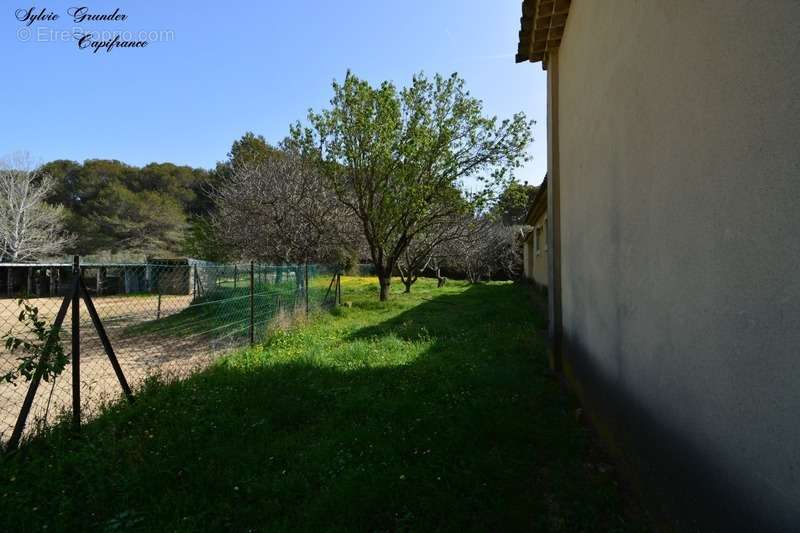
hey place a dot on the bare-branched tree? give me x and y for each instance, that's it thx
(430, 248)
(280, 209)
(30, 228)
(490, 248)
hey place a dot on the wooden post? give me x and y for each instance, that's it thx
(158, 309)
(76, 345)
(235, 275)
(338, 289)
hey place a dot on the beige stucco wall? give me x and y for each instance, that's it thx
(680, 220)
(535, 264)
(539, 260)
(527, 257)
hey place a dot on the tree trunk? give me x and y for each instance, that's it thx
(385, 282)
(407, 282)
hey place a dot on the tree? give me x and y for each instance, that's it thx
(30, 228)
(396, 159)
(429, 248)
(491, 248)
(251, 150)
(512, 204)
(146, 222)
(90, 192)
(204, 241)
(279, 209)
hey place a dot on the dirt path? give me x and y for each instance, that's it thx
(140, 355)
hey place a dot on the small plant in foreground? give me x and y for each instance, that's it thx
(45, 349)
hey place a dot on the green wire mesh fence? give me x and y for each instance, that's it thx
(166, 318)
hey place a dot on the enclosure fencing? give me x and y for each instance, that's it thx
(121, 324)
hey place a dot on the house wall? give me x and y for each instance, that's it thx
(679, 125)
(527, 257)
(539, 260)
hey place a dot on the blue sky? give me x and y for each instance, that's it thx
(241, 66)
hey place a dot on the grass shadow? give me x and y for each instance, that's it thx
(432, 412)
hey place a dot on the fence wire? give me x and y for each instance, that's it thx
(167, 319)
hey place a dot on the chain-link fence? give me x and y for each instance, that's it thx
(167, 318)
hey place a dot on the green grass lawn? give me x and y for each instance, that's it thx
(431, 412)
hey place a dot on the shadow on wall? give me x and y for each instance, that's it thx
(686, 488)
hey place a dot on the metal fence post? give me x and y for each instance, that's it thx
(16, 435)
(252, 307)
(76, 345)
(306, 285)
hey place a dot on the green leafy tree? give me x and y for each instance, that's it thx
(398, 158)
(90, 192)
(182, 183)
(204, 241)
(145, 222)
(512, 204)
(250, 150)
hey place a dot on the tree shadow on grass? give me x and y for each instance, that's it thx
(439, 418)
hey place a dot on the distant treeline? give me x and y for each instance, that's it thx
(113, 207)
(163, 209)
(160, 209)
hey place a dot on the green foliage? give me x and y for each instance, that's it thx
(513, 203)
(116, 207)
(147, 222)
(202, 241)
(36, 351)
(251, 149)
(78, 185)
(346, 260)
(397, 158)
(433, 412)
(248, 151)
